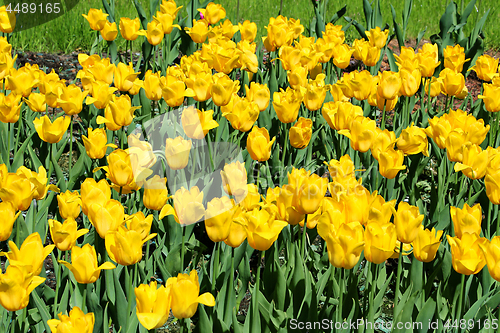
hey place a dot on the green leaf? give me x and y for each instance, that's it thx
(42, 309)
(426, 314)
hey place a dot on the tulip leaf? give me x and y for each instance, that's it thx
(94, 306)
(426, 314)
(42, 309)
(341, 12)
(142, 14)
(19, 156)
(64, 300)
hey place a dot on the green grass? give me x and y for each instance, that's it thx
(71, 32)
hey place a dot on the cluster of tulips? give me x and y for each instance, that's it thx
(351, 219)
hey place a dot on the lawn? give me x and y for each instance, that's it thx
(71, 32)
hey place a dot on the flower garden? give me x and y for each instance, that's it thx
(221, 183)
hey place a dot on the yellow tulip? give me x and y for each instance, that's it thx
(287, 104)
(196, 123)
(199, 84)
(338, 169)
(248, 30)
(334, 34)
(154, 33)
(389, 85)
(185, 293)
(345, 246)
(92, 192)
(32, 253)
(223, 89)
(241, 113)
(262, 228)
(455, 145)
(413, 140)
(237, 232)
(188, 206)
(39, 181)
(18, 190)
(155, 193)
(119, 169)
(109, 31)
(6, 62)
(474, 162)
(315, 93)
(339, 115)
(124, 76)
(486, 67)
(377, 37)
(106, 217)
(342, 55)
(84, 264)
(10, 108)
(71, 99)
(466, 254)
(428, 59)
(297, 77)
(491, 97)
(96, 143)
(309, 194)
(152, 85)
(130, 29)
(7, 20)
(452, 82)
(466, 220)
(234, 179)
(153, 305)
(218, 218)
(259, 145)
(64, 235)
(102, 94)
(361, 133)
(259, 94)
(16, 285)
(407, 59)
(177, 152)
(426, 244)
(69, 204)
(380, 241)
(77, 321)
(167, 22)
(300, 133)
(169, 7)
(491, 251)
(380, 211)
(384, 140)
(21, 81)
(390, 162)
(140, 223)
(8, 212)
(278, 33)
(125, 246)
(37, 102)
(454, 58)
(361, 84)
(247, 58)
(407, 220)
(492, 184)
(213, 13)
(410, 82)
(198, 32)
(173, 90)
(96, 18)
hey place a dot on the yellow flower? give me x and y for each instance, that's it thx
(39, 181)
(119, 169)
(199, 83)
(339, 115)
(92, 192)
(64, 235)
(109, 31)
(218, 218)
(196, 123)
(71, 99)
(467, 257)
(259, 145)
(130, 29)
(454, 57)
(426, 244)
(486, 67)
(213, 13)
(377, 37)
(77, 321)
(177, 152)
(223, 89)
(124, 76)
(106, 217)
(345, 245)
(234, 179)
(380, 241)
(342, 55)
(455, 145)
(153, 305)
(492, 184)
(7, 20)
(248, 30)
(390, 162)
(84, 264)
(198, 32)
(152, 85)
(410, 81)
(361, 133)
(241, 113)
(8, 212)
(300, 133)
(237, 232)
(287, 104)
(140, 223)
(474, 161)
(102, 94)
(36, 102)
(21, 81)
(491, 251)
(169, 7)
(466, 220)
(309, 191)
(31, 254)
(96, 143)
(125, 246)
(185, 292)
(259, 94)
(16, 286)
(188, 206)
(18, 190)
(262, 228)
(173, 89)
(166, 21)
(69, 204)
(154, 33)
(428, 59)
(407, 220)
(51, 132)
(315, 93)
(119, 112)
(389, 85)
(491, 97)
(452, 82)
(96, 18)
(413, 140)
(10, 108)
(155, 193)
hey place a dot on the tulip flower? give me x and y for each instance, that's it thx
(452, 82)
(223, 89)
(248, 30)
(77, 321)
(119, 169)
(241, 113)
(6, 63)
(315, 93)
(18, 190)
(287, 104)
(218, 218)
(485, 67)
(380, 241)
(106, 216)
(199, 84)
(491, 97)
(124, 76)
(380, 211)
(259, 145)
(427, 58)
(309, 194)
(455, 145)
(492, 184)
(21, 81)
(69, 204)
(234, 179)
(474, 162)
(154, 32)
(196, 123)
(237, 232)
(84, 264)
(300, 133)
(153, 305)
(377, 37)
(131, 29)
(39, 181)
(262, 228)
(177, 152)
(426, 244)
(297, 77)
(155, 193)
(361, 133)
(16, 285)
(152, 86)
(339, 115)
(32, 253)
(188, 206)
(185, 290)
(454, 58)
(125, 246)
(94, 193)
(102, 94)
(334, 34)
(7, 20)
(10, 108)
(198, 32)
(259, 94)
(342, 55)
(345, 246)
(410, 82)
(390, 162)
(213, 13)
(64, 235)
(109, 32)
(466, 255)
(140, 223)
(173, 89)
(96, 19)
(407, 220)
(36, 102)
(96, 143)
(166, 21)
(9, 215)
(466, 220)
(361, 84)
(491, 251)
(169, 7)
(71, 99)
(250, 198)
(413, 140)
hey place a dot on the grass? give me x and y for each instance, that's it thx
(71, 31)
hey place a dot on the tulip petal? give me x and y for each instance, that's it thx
(206, 299)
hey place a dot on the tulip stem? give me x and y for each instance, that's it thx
(258, 176)
(341, 295)
(13, 322)
(285, 143)
(304, 232)
(84, 300)
(398, 282)
(460, 298)
(70, 147)
(371, 311)
(9, 131)
(382, 125)
(58, 282)
(129, 294)
(209, 144)
(181, 268)
(215, 271)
